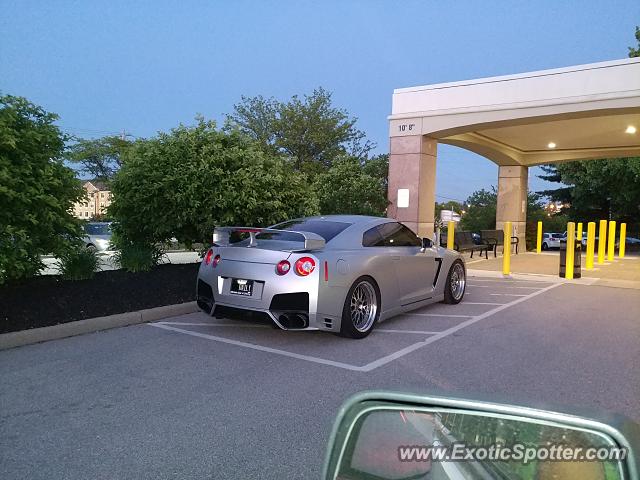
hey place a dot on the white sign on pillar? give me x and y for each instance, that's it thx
(403, 198)
(405, 126)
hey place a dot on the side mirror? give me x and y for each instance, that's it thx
(426, 243)
(383, 435)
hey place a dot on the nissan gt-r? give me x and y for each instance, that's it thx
(338, 273)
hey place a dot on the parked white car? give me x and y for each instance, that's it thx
(551, 240)
(98, 236)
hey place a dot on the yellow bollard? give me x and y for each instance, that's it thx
(623, 239)
(579, 232)
(506, 252)
(602, 241)
(539, 239)
(571, 249)
(451, 228)
(612, 240)
(591, 243)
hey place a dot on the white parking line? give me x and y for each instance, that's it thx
(386, 330)
(506, 286)
(450, 331)
(435, 315)
(537, 279)
(435, 336)
(204, 324)
(377, 330)
(508, 294)
(480, 303)
(252, 346)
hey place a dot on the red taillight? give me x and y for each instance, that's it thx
(305, 265)
(216, 261)
(283, 267)
(207, 257)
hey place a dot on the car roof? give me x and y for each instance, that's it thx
(350, 237)
(353, 219)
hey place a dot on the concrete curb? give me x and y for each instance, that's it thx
(80, 327)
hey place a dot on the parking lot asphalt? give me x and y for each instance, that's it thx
(197, 397)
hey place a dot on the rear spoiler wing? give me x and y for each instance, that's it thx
(312, 241)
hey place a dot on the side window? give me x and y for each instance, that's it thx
(397, 235)
(372, 238)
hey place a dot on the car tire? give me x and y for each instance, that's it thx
(545, 246)
(456, 283)
(361, 308)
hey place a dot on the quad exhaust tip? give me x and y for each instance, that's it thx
(293, 321)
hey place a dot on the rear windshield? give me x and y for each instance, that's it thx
(325, 228)
(97, 229)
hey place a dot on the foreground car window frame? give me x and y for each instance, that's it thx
(621, 431)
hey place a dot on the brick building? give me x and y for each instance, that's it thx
(98, 199)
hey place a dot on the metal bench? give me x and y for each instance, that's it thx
(463, 242)
(496, 237)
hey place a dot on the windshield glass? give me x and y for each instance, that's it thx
(97, 229)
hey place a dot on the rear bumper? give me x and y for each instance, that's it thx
(290, 303)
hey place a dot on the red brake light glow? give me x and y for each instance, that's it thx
(207, 257)
(305, 265)
(283, 267)
(216, 261)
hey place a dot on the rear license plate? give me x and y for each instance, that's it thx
(241, 287)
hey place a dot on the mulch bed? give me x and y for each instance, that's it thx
(49, 300)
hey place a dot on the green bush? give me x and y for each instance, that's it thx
(37, 190)
(137, 257)
(183, 183)
(78, 263)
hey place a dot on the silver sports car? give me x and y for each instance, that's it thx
(339, 273)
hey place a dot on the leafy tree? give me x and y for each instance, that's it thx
(350, 187)
(378, 167)
(256, 117)
(596, 189)
(37, 190)
(481, 211)
(635, 52)
(183, 183)
(100, 158)
(553, 175)
(310, 132)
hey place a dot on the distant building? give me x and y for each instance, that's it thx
(449, 216)
(98, 199)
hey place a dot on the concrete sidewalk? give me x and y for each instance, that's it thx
(621, 272)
